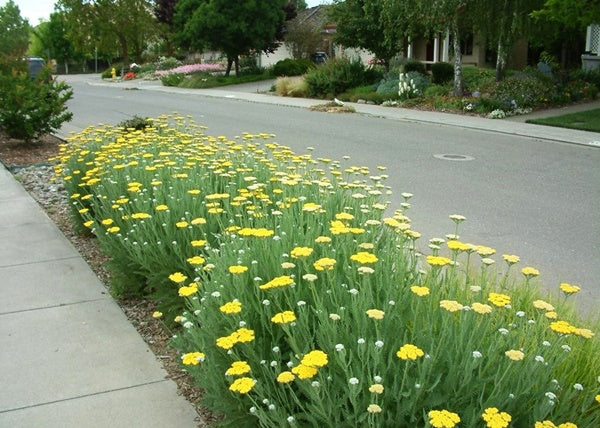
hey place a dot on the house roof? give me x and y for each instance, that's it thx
(315, 17)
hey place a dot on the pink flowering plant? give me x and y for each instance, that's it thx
(301, 298)
(192, 68)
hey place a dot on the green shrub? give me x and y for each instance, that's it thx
(442, 72)
(135, 123)
(291, 67)
(524, 90)
(414, 65)
(168, 63)
(335, 77)
(388, 85)
(32, 108)
(172, 79)
(306, 306)
(107, 74)
(436, 91)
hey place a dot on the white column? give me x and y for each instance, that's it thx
(409, 51)
(436, 49)
(588, 39)
(446, 47)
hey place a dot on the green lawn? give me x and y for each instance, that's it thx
(585, 121)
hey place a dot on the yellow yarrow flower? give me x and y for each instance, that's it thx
(481, 308)
(188, 290)
(304, 372)
(409, 352)
(280, 281)
(243, 385)
(237, 269)
(438, 260)
(376, 388)
(541, 304)
(374, 408)
(511, 259)
(420, 291)
(569, 289)
(375, 314)
(198, 220)
(451, 305)
(562, 327)
(499, 299)
(177, 277)
(324, 263)
(107, 221)
(182, 224)
(283, 317)
(530, 272)
(515, 354)
(233, 307)
(285, 377)
(443, 419)
(157, 314)
(161, 207)
(364, 257)
(323, 240)
(238, 368)
(299, 252)
(192, 358)
(496, 419)
(198, 243)
(315, 359)
(196, 260)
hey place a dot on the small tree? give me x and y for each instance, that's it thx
(32, 108)
(302, 39)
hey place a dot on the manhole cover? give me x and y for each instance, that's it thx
(454, 157)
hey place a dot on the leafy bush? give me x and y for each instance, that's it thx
(305, 305)
(335, 77)
(474, 78)
(441, 72)
(291, 86)
(292, 67)
(135, 123)
(389, 85)
(172, 79)
(435, 91)
(32, 108)
(413, 65)
(167, 63)
(524, 90)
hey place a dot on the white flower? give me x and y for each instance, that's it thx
(339, 347)
(271, 406)
(252, 409)
(379, 344)
(418, 385)
(215, 294)
(550, 395)
(477, 354)
(520, 314)
(360, 341)
(546, 343)
(275, 349)
(353, 381)
(334, 317)
(242, 323)
(301, 303)
(290, 419)
(377, 379)
(539, 358)
(310, 277)
(566, 348)
(503, 331)
(315, 384)
(266, 302)
(353, 291)
(578, 387)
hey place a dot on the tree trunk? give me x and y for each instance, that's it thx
(66, 67)
(229, 64)
(458, 83)
(501, 59)
(237, 65)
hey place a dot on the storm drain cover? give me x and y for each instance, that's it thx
(454, 157)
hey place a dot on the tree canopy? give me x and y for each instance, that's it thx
(230, 26)
(14, 33)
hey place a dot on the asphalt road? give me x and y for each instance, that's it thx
(535, 198)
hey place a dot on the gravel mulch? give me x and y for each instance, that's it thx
(30, 166)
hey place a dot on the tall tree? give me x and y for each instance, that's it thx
(164, 11)
(368, 24)
(125, 25)
(14, 33)
(231, 26)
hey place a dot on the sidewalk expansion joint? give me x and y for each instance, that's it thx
(34, 262)
(60, 305)
(109, 391)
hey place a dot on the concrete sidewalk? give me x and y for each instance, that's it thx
(68, 355)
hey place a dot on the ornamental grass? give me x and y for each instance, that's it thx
(300, 298)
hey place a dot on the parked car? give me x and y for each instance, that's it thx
(36, 65)
(319, 57)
